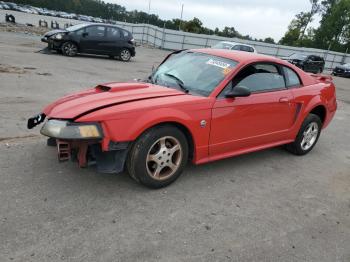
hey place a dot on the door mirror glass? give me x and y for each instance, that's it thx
(238, 91)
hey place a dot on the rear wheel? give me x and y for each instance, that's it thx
(158, 157)
(69, 49)
(125, 55)
(307, 137)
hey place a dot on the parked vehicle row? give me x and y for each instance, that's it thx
(43, 11)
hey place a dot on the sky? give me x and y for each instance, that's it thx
(258, 18)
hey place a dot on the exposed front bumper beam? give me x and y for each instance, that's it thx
(88, 153)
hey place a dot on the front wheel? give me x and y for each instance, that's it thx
(158, 157)
(307, 137)
(69, 49)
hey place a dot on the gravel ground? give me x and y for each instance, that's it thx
(264, 206)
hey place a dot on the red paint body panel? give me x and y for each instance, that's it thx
(233, 126)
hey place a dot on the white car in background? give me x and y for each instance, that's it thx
(234, 46)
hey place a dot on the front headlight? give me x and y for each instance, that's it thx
(58, 36)
(69, 130)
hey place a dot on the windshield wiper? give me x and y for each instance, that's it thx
(178, 81)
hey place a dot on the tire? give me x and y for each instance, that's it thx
(154, 152)
(125, 55)
(69, 49)
(307, 137)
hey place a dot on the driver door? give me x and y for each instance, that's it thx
(265, 117)
(93, 40)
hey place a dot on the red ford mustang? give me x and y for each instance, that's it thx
(201, 105)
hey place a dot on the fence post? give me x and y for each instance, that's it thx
(333, 61)
(154, 37)
(143, 33)
(206, 42)
(147, 34)
(163, 37)
(277, 51)
(183, 41)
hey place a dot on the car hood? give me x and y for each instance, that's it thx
(76, 105)
(53, 32)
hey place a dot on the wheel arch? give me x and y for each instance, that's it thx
(71, 41)
(182, 127)
(321, 111)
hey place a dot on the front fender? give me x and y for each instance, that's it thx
(129, 126)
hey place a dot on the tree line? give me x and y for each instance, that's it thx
(99, 8)
(333, 32)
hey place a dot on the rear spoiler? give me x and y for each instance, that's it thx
(323, 78)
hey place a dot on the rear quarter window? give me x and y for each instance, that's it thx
(126, 34)
(292, 78)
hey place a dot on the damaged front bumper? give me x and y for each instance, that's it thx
(88, 153)
(82, 142)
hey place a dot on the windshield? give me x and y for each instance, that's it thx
(75, 27)
(223, 45)
(346, 65)
(196, 73)
(298, 56)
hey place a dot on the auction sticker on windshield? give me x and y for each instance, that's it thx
(218, 63)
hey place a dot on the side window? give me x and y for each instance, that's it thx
(96, 31)
(311, 58)
(244, 48)
(113, 32)
(292, 78)
(126, 34)
(318, 59)
(251, 49)
(80, 32)
(260, 77)
(236, 47)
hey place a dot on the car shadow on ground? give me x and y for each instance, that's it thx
(47, 51)
(89, 179)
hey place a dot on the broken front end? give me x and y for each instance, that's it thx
(84, 143)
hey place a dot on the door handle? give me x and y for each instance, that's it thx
(284, 100)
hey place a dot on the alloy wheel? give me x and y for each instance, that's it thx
(70, 49)
(125, 55)
(309, 136)
(164, 158)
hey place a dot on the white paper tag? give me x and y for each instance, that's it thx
(218, 63)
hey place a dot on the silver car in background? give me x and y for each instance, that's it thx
(234, 46)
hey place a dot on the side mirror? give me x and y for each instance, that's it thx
(85, 34)
(154, 67)
(238, 91)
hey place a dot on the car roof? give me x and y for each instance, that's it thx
(101, 24)
(239, 56)
(236, 43)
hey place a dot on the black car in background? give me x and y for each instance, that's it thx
(309, 63)
(100, 39)
(342, 70)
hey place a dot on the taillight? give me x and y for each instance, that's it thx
(132, 41)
